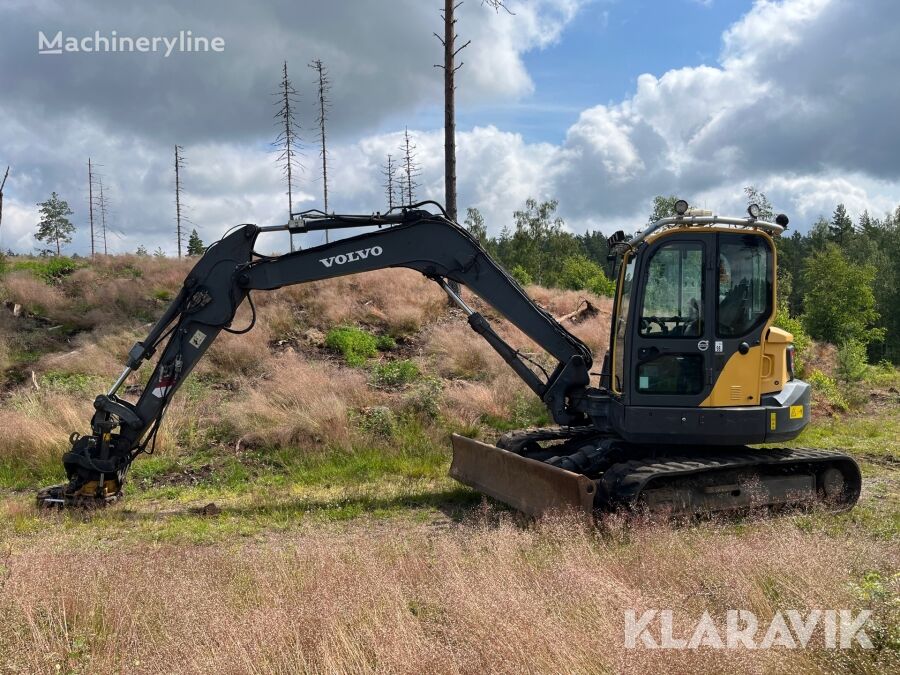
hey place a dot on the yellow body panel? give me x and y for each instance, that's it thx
(738, 383)
(774, 366)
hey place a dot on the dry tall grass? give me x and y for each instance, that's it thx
(304, 403)
(490, 595)
(38, 297)
(400, 300)
(460, 599)
(35, 426)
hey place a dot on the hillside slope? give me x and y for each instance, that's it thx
(296, 515)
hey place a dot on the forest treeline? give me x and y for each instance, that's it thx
(838, 282)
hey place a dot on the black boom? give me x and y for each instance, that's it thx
(230, 270)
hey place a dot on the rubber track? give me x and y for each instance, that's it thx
(623, 482)
(516, 440)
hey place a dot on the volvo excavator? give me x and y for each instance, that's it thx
(696, 372)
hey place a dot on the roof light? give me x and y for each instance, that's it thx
(681, 207)
(782, 220)
(753, 210)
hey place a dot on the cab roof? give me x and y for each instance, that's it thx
(706, 222)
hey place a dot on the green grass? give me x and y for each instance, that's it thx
(883, 375)
(395, 373)
(869, 435)
(526, 411)
(357, 345)
(72, 383)
(46, 269)
(354, 344)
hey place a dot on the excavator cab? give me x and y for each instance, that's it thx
(695, 301)
(692, 332)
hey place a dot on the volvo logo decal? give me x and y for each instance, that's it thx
(344, 258)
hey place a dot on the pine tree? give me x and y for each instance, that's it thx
(195, 244)
(55, 226)
(841, 228)
(103, 206)
(141, 251)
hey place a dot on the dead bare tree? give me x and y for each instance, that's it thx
(91, 205)
(451, 51)
(391, 183)
(103, 205)
(3, 185)
(324, 87)
(288, 140)
(179, 208)
(410, 170)
(448, 41)
(96, 208)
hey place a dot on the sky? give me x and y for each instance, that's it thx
(600, 104)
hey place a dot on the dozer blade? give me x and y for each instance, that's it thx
(533, 487)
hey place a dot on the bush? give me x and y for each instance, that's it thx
(395, 373)
(47, 269)
(851, 358)
(828, 389)
(883, 374)
(425, 399)
(601, 285)
(385, 343)
(579, 273)
(355, 344)
(71, 383)
(529, 411)
(521, 275)
(378, 420)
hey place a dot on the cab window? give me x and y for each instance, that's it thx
(744, 284)
(673, 292)
(671, 374)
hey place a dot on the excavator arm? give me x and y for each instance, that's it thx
(230, 271)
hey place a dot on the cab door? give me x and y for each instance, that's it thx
(673, 322)
(744, 298)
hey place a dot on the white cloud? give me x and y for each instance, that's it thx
(798, 106)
